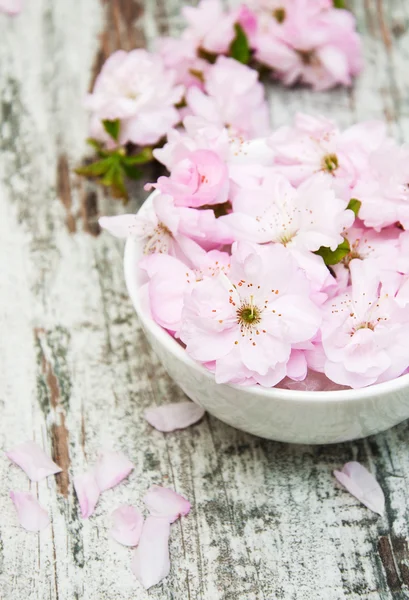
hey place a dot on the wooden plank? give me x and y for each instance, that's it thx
(76, 373)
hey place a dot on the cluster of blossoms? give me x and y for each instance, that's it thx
(282, 260)
(212, 70)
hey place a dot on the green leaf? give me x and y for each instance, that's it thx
(142, 158)
(131, 171)
(112, 128)
(239, 48)
(96, 169)
(339, 4)
(333, 257)
(354, 205)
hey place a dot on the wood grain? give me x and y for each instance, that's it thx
(268, 520)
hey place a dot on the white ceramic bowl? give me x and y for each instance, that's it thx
(276, 414)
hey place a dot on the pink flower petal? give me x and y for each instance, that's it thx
(31, 515)
(151, 563)
(174, 416)
(33, 460)
(111, 468)
(163, 502)
(11, 7)
(87, 491)
(127, 525)
(362, 484)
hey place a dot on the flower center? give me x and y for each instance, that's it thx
(279, 15)
(365, 325)
(159, 240)
(248, 314)
(286, 238)
(309, 58)
(330, 163)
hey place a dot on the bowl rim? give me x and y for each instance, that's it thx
(171, 345)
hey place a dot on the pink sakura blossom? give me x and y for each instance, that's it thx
(200, 178)
(234, 98)
(362, 484)
(367, 244)
(170, 278)
(166, 504)
(365, 330)
(170, 417)
(313, 382)
(180, 56)
(164, 228)
(247, 323)
(384, 188)
(136, 88)
(11, 7)
(31, 514)
(316, 145)
(305, 218)
(209, 26)
(304, 43)
(199, 134)
(127, 525)
(33, 460)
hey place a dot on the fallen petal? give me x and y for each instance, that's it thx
(150, 562)
(31, 514)
(174, 416)
(165, 503)
(33, 460)
(111, 468)
(87, 491)
(11, 7)
(127, 525)
(362, 484)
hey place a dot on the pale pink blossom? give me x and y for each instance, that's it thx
(170, 278)
(87, 491)
(305, 218)
(127, 525)
(367, 244)
(200, 134)
(163, 228)
(365, 330)
(136, 88)
(151, 563)
(111, 468)
(33, 460)
(11, 7)
(313, 382)
(170, 417)
(362, 484)
(384, 188)
(234, 98)
(209, 26)
(31, 515)
(316, 145)
(165, 503)
(198, 179)
(180, 56)
(320, 48)
(247, 323)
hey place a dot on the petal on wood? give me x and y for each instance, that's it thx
(31, 514)
(127, 525)
(174, 416)
(87, 491)
(11, 7)
(33, 460)
(165, 503)
(150, 562)
(362, 484)
(111, 468)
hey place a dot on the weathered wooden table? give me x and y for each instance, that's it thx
(76, 372)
